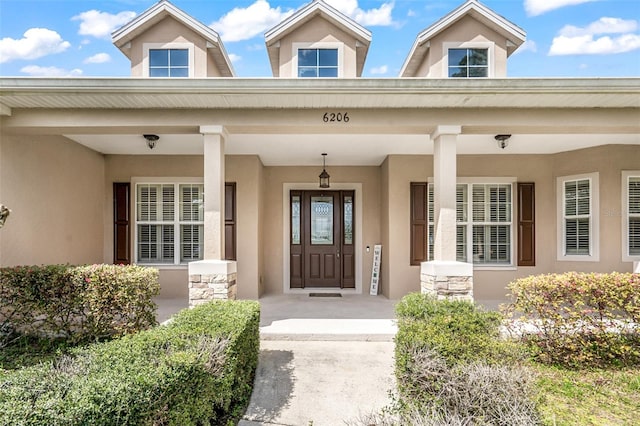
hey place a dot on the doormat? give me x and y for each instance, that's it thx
(325, 295)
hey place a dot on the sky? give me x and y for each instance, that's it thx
(565, 38)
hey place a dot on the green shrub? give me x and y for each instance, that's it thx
(450, 364)
(197, 370)
(78, 303)
(457, 330)
(580, 319)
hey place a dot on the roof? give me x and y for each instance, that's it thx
(305, 14)
(515, 35)
(123, 36)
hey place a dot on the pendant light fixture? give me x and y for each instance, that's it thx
(324, 176)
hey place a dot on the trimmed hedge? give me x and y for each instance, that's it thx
(198, 369)
(78, 303)
(580, 319)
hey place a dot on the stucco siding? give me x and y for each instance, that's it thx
(54, 188)
(167, 31)
(609, 161)
(318, 30)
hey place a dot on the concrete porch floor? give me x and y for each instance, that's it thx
(301, 317)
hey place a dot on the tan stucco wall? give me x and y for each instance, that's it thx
(276, 177)
(246, 172)
(54, 188)
(467, 30)
(171, 31)
(315, 31)
(609, 161)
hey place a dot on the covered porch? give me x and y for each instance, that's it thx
(267, 137)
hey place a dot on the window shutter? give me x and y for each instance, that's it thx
(121, 226)
(634, 216)
(230, 221)
(419, 222)
(526, 224)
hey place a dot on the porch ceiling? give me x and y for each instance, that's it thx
(344, 149)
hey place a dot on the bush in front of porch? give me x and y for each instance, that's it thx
(198, 369)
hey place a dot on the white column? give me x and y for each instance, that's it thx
(214, 178)
(445, 176)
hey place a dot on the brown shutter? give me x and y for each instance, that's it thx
(526, 224)
(230, 221)
(419, 222)
(121, 227)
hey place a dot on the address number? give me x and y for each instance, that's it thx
(335, 117)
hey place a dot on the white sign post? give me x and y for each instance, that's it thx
(375, 271)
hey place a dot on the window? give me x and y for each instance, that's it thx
(317, 63)
(169, 222)
(484, 230)
(468, 63)
(168, 63)
(631, 219)
(577, 219)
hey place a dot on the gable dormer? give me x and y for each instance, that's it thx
(163, 41)
(471, 41)
(317, 41)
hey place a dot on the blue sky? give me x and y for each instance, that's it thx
(565, 38)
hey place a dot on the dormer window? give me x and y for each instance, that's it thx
(468, 63)
(317, 63)
(168, 63)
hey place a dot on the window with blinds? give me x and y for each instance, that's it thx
(169, 223)
(577, 217)
(484, 224)
(633, 215)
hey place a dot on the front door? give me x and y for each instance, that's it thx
(322, 236)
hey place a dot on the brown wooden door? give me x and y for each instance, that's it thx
(322, 239)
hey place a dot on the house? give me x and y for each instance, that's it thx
(466, 178)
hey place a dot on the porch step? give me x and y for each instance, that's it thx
(318, 329)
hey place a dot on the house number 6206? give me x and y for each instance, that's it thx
(333, 117)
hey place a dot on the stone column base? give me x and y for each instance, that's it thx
(447, 280)
(211, 280)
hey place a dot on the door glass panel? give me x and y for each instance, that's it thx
(322, 220)
(348, 219)
(295, 219)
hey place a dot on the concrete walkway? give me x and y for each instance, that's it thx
(323, 361)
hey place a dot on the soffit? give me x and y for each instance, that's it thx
(236, 93)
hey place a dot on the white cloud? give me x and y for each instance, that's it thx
(603, 25)
(98, 58)
(245, 23)
(234, 58)
(527, 46)
(411, 13)
(36, 43)
(372, 17)
(538, 7)
(588, 45)
(100, 24)
(573, 40)
(37, 71)
(379, 70)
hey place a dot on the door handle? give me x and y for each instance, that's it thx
(338, 254)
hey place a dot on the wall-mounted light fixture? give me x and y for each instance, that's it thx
(503, 141)
(151, 140)
(324, 176)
